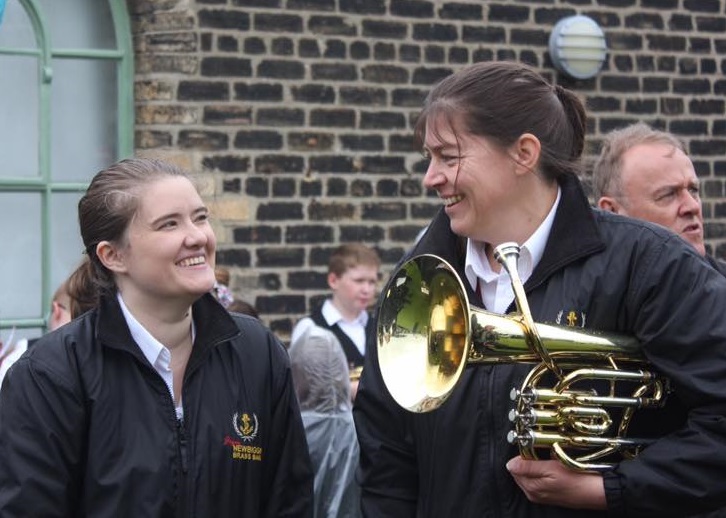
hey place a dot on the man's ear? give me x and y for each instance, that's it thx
(110, 256)
(332, 280)
(527, 151)
(609, 204)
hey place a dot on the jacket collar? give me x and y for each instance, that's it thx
(574, 235)
(213, 325)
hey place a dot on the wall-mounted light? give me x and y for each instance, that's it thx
(577, 47)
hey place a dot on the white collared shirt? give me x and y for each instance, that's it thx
(154, 351)
(496, 287)
(355, 329)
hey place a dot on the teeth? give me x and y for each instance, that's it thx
(452, 199)
(192, 261)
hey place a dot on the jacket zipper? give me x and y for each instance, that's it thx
(182, 445)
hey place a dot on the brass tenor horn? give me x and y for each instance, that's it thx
(428, 333)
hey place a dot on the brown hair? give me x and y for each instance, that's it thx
(607, 170)
(81, 289)
(110, 203)
(503, 100)
(350, 255)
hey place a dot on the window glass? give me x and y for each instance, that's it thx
(80, 24)
(21, 255)
(66, 244)
(16, 31)
(19, 132)
(84, 122)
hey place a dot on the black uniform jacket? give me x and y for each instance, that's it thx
(88, 427)
(604, 272)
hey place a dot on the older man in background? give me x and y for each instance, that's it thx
(645, 174)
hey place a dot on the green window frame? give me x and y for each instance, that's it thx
(44, 183)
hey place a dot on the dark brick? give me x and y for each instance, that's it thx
(435, 32)
(227, 43)
(258, 92)
(619, 84)
(699, 45)
(233, 257)
(719, 87)
(360, 50)
(319, 255)
(205, 41)
(708, 66)
(257, 139)
(680, 22)
(625, 41)
(406, 233)
(666, 63)
(226, 163)
(641, 106)
(672, 105)
(277, 211)
(385, 74)
(362, 95)
(334, 49)
(430, 76)
(382, 120)
(281, 327)
(689, 127)
(340, 118)
(361, 189)
(657, 42)
(169, 42)
(203, 140)
(310, 141)
(691, 86)
(227, 114)
(508, 13)
(269, 281)
(460, 11)
(283, 187)
(602, 104)
(645, 63)
(283, 47)
(434, 54)
(280, 304)
(707, 106)
(226, 67)
(280, 117)
(715, 25)
(550, 15)
(254, 46)
(311, 93)
(712, 147)
(401, 144)
(269, 22)
(387, 188)
(384, 165)
(411, 187)
(257, 187)
(703, 6)
(336, 187)
(483, 35)
(656, 85)
(256, 3)
(623, 63)
(331, 164)
(361, 142)
(279, 164)
(224, 19)
(307, 280)
(333, 72)
(360, 233)
(384, 52)
(258, 234)
(308, 234)
(458, 55)
(311, 188)
(644, 20)
(409, 53)
(506, 55)
(363, 6)
(332, 25)
(308, 48)
(529, 37)
(408, 97)
(310, 5)
(330, 211)
(424, 210)
(281, 69)
(385, 211)
(391, 255)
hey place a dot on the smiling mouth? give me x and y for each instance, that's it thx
(192, 261)
(691, 229)
(451, 200)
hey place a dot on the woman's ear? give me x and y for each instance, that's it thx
(526, 151)
(110, 256)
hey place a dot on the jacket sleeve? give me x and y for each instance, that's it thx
(290, 473)
(388, 473)
(42, 431)
(678, 307)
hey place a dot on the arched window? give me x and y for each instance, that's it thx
(66, 102)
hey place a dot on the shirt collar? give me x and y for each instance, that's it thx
(476, 265)
(332, 316)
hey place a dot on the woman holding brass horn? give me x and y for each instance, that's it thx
(504, 148)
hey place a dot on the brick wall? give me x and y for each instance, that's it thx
(297, 113)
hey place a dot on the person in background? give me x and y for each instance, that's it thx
(353, 271)
(505, 151)
(157, 402)
(646, 174)
(60, 314)
(225, 297)
(320, 374)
